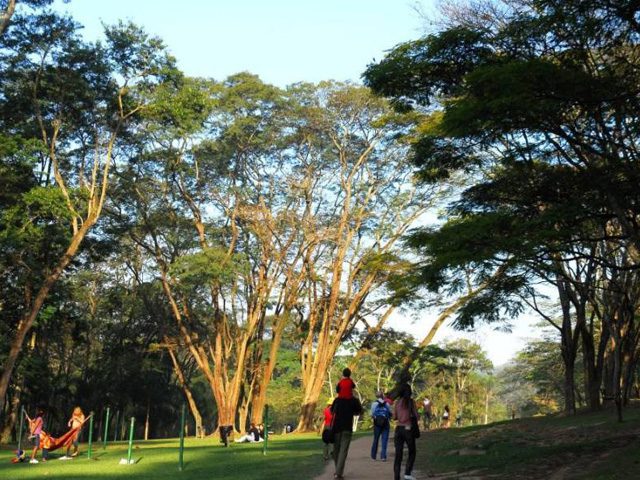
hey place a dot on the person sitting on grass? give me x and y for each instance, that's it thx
(252, 435)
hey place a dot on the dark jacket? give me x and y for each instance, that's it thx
(344, 409)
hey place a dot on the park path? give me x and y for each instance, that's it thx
(360, 466)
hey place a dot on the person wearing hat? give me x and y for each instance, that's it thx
(328, 419)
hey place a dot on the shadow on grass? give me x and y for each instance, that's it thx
(591, 445)
(291, 458)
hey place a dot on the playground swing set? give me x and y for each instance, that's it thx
(51, 443)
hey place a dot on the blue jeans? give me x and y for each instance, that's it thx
(377, 432)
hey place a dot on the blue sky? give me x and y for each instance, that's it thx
(287, 41)
(283, 41)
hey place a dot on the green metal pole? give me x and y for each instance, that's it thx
(106, 430)
(90, 436)
(181, 455)
(115, 427)
(21, 428)
(133, 420)
(266, 429)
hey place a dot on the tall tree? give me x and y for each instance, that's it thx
(522, 104)
(357, 183)
(72, 101)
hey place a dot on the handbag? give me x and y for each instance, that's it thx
(328, 435)
(415, 428)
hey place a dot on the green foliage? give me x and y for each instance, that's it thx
(209, 265)
(522, 107)
(533, 383)
(284, 394)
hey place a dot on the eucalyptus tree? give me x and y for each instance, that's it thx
(263, 207)
(209, 199)
(69, 102)
(359, 198)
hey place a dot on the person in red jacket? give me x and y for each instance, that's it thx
(328, 420)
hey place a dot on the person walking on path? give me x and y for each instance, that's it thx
(381, 415)
(446, 420)
(404, 410)
(360, 466)
(328, 419)
(427, 412)
(343, 410)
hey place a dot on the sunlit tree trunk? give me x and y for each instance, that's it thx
(193, 407)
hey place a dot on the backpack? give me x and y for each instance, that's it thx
(381, 415)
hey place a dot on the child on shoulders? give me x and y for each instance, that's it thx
(345, 386)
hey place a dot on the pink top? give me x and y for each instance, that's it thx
(36, 427)
(403, 410)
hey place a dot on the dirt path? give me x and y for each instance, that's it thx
(359, 465)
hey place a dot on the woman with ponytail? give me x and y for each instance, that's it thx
(403, 412)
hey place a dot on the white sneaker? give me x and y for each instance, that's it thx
(65, 458)
(409, 477)
(33, 460)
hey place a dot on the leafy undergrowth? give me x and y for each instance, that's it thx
(296, 457)
(585, 446)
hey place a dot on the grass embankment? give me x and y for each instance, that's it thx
(296, 457)
(585, 446)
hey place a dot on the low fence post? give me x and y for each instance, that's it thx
(90, 436)
(181, 454)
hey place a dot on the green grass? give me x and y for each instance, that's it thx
(586, 446)
(291, 457)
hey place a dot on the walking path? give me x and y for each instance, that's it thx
(360, 466)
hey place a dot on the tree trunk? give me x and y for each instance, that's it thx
(593, 366)
(191, 402)
(6, 14)
(486, 407)
(568, 347)
(11, 419)
(146, 421)
(259, 399)
(243, 413)
(27, 321)
(306, 422)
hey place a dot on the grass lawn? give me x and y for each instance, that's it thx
(288, 457)
(586, 446)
